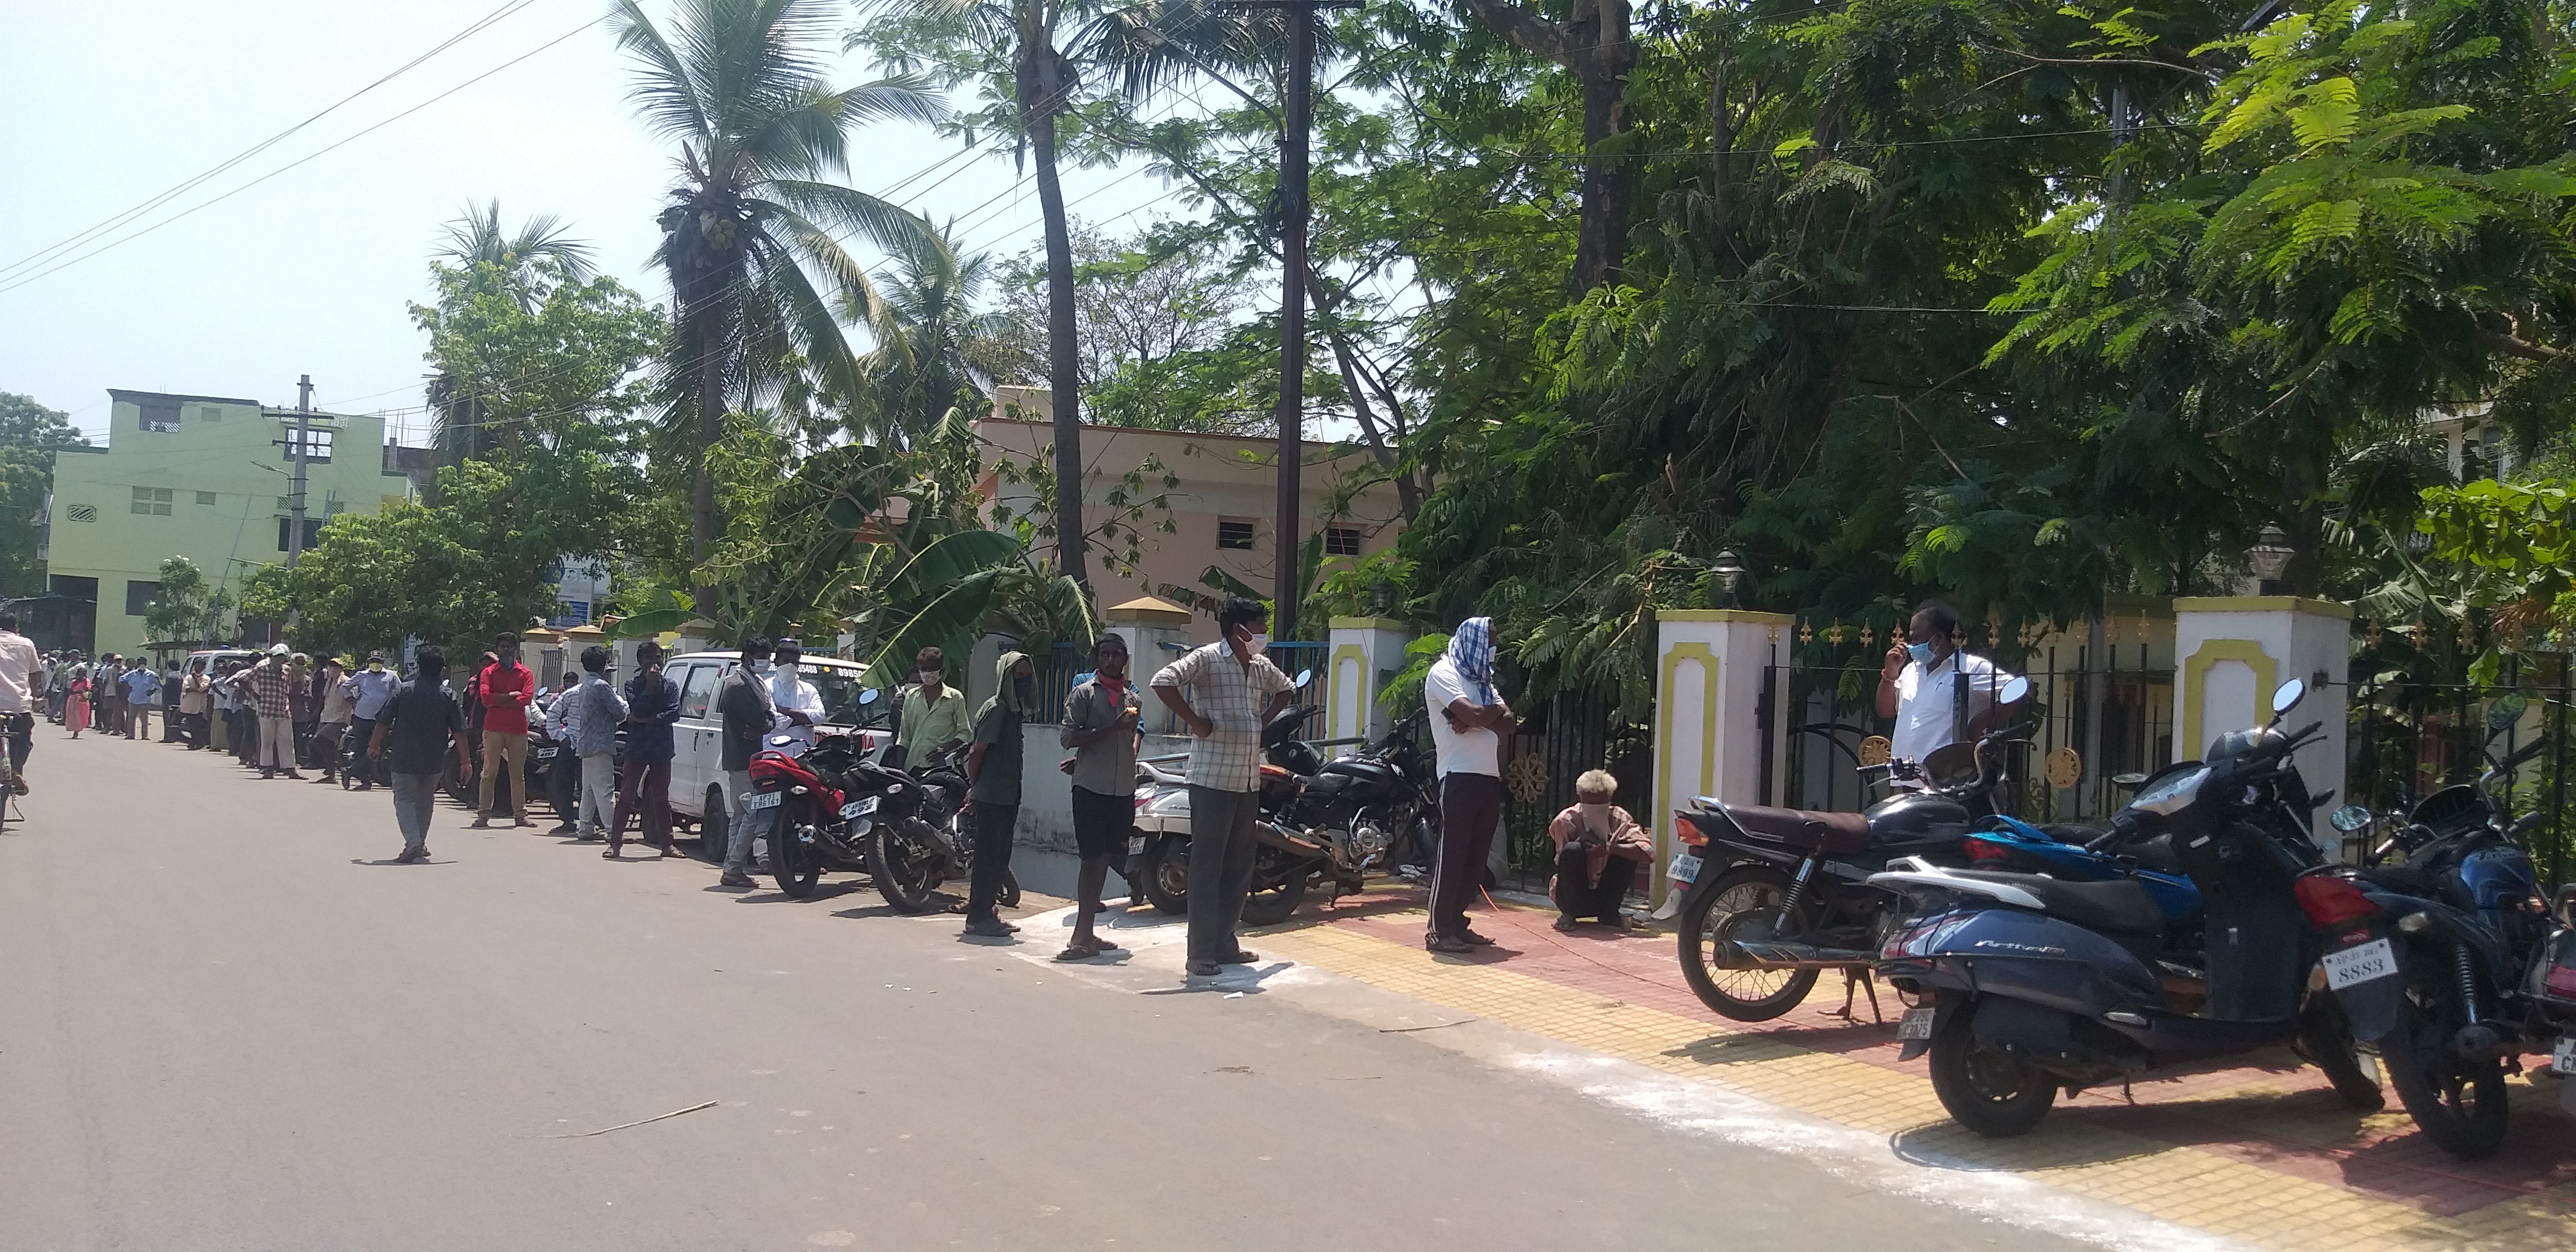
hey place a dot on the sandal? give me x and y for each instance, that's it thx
(1077, 952)
(1105, 945)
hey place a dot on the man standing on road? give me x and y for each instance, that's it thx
(742, 700)
(21, 679)
(600, 709)
(652, 705)
(1233, 691)
(334, 724)
(193, 702)
(107, 695)
(272, 693)
(1921, 686)
(142, 690)
(504, 691)
(1467, 736)
(798, 704)
(934, 714)
(368, 690)
(993, 791)
(1100, 719)
(561, 718)
(420, 720)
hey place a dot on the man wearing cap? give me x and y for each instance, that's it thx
(272, 694)
(367, 690)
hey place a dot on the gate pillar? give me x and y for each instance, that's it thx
(1710, 669)
(1363, 652)
(2231, 651)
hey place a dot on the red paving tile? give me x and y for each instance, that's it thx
(2209, 1110)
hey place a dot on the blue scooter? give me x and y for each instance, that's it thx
(2036, 984)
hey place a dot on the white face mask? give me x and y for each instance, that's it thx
(1596, 816)
(788, 668)
(929, 678)
(1256, 645)
(760, 667)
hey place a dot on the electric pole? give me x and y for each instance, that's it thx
(1293, 141)
(295, 498)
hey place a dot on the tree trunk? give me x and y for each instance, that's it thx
(1603, 57)
(702, 491)
(1042, 91)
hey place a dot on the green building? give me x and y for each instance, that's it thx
(204, 477)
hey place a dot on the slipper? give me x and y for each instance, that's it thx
(1077, 952)
(1105, 945)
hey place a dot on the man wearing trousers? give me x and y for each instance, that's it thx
(1224, 692)
(595, 742)
(272, 695)
(993, 791)
(743, 702)
(420, 720)
(1468, 736)
(368, 690)
(505, 689)
(644, 788)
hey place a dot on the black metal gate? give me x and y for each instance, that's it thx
(2410, 739)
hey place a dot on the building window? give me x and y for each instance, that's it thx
(317, 443)
(334, 508)
(210, 413)
(312, 532)
(205, 497)
(139, 597)
(1341, 541)
(1234, 533)
(80, 513)
(160, 416)
(152, 501)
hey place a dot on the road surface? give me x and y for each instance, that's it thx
(228, 1021)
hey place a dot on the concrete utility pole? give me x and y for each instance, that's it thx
(1293, 143)
(295, 500)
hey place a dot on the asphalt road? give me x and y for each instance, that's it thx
(227, 1021)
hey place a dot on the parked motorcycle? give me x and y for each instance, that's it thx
(913, 828)
(1372, 811)
(2443, 958)
(2036, 984)
(1775, 897)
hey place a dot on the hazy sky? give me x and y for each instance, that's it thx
(309, 272)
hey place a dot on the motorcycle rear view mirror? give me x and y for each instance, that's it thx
(1304, 676)
(2350, 818)
(2287, 696)
(2505, 711)
(869, 696)
(2013, 692)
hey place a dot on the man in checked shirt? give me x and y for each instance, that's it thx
(1233, 690)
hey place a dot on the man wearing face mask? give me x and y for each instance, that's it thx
(1232, 691)
(1932, 689)
(798, 705)
(742, 699)
(504, 690)
(934, 714)
(993, 795)
(368, 689)
(1598, 848)
(1467, 741)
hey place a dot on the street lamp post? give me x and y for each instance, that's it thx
(1730, 572)
(2269, 557)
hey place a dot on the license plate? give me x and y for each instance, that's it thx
(1685, 868)
(859, 808)
(2369, 962)
(1135, 845)
(547, 754)
(1917, 1022)
(2563, 1061)
(764, 800)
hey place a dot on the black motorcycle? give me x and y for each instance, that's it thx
(913, 830)
(1373, 811)
(1775, 897)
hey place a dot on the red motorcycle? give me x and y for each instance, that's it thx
(799, 812)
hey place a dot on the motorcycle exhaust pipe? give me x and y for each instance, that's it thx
(1790, 956)
(1276, 837)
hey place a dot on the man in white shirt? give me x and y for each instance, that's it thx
(1922, 683)
(1468, 722)
(799, 705)
(21, 677)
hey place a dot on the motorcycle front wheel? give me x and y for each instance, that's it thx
(1986, 1089)
(1744, 904)
(2458, 1103)
(792, 856)
(907, 865)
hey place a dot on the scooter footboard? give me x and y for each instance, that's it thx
(2025, 956)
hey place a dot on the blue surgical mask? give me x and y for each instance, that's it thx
(1921, 652)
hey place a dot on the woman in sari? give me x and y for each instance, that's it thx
(76, 707)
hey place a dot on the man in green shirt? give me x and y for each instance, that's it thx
(934, 714)
(993, 790)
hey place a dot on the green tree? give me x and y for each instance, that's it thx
(29, 434)
(506, 263)
(759, 131)
(188, 608)
(931, 342)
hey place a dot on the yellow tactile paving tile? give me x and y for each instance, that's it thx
(2185, 1185)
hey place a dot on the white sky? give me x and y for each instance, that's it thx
(310, 271)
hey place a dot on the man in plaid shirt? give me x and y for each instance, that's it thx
(1233, 690)
(272, 692)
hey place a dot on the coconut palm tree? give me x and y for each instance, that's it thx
(930, 342)
(542, 248)
(758, 273)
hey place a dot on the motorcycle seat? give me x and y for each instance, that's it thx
(1833, 834)
(2117, 905)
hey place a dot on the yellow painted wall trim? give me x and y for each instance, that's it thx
(2195, 673)
(1724, 615)
(2263, 604)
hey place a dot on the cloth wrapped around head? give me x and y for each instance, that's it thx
(1472, 650)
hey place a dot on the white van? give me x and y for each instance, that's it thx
(697, 740)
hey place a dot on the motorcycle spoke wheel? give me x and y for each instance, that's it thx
(1741, 909)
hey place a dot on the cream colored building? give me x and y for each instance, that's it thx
(1223, 512)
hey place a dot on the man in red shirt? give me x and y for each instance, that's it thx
(504, 690)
